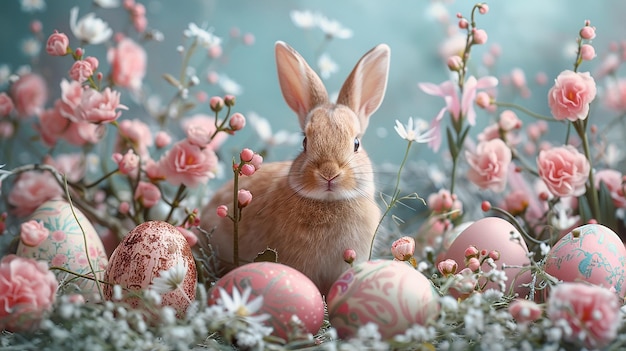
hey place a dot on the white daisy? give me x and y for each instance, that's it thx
(238, 305)
(89, 29)
(304, 19)
(417, 132)
(334, 29)
(170, 279)
(327, 66)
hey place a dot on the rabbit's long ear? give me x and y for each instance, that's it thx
(302, 88)
(365, 87)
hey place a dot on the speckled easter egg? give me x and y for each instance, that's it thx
(65, 245)
(286, 293)
(591, 253)
(493, 233)
(148, 250)
(391, 294)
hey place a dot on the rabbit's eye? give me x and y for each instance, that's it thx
(304, 143)
(357, 143)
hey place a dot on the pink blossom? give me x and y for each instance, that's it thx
(162, 139)
(403, 249)
(82, 70)
(349, 255)
(216, 103)
(205, 126)
(6, 104)
(139, 135)
(71, 165)
(247, 169)
(237, 121)
(128, 64)
(483, 100)
(564, 170)
(147, 194)
(588, 32)
(57, 44)
(571, 95)
(153, 170)
(444, 202)
(126, 163)
(447, 267)
(52, 125)
(489, 164)
(244, 197)
(473, 264)
(246, 155)
(455, 107)
(516, 202)
(509, 121)
(27, 291)
(32, 189)
(29, 94)
(222, 211)
(480, 36)
(524, 311)
(615, 94)
(591, 312)
(455, 63)
(614, 182)
(33, 233)
(188, 164)
(82, 104)
(587, 52)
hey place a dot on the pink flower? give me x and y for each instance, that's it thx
(6, 104)
(614, 182)
(615, 94)
(564, 170)
(126, 163)
(71, 165)
(447, 267)
(480, 36)
(199, 128)
(128, 64)
(444, 202)
(188, 164)
(237, 121)
(153, 170)
(30, 190)
(455, 107)
(82, 104)
(403, 249)
(524, 311)
(57, 44)
(33, 233)
(592, 312)
(244, 197)
(27, 291)
(148, 194)
(489, 165)
(587, 52)
(83, 69)
(349, 255)
(191, 237)
(52, 125)
(222, 211)
(139, 135)
(509, 121)
(571, 94)
(29, 94)
(162, 139)
(516, 202)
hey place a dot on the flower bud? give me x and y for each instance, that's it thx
(216, 103)
(256, 161)
(483, 99)
(403, 248)
(471, 251)
(349, 256)
(57, 44)
(237, 121)
(244, 197)
(588, 32)
(587, 52)
(447, 267)
(473, 264)
(247, 169)
(455, 63)
(246, 155)
(222, 211)
(229, 100)
(480, 36)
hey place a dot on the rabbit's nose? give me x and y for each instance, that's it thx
(329, 171)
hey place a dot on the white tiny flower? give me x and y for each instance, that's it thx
(117, 292)
(31, 47)
(417, 132)
(89, 29)
(205, 38)
(107, 4)
(229, 86)
(170, 279)
(304, 19)
(334, 29)
(33, 5)
(545, 249)
(327, 66)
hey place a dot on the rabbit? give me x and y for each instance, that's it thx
(312, 209)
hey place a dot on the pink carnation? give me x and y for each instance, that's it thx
(571, 94)
(128, 64)
(592, 312)
(32, 189)
(489, 165)
(139, 135)
(29, 94)
(27, 291)
(403, 248)
(57, 44)
(188, 164)
(148, 194)
(564, 170)
(82, 70)
(33, 233)
(199, 129)
(82, 104)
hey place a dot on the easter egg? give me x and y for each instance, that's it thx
(591, 253)
(391, 294)
(66, 246)
(148, 251)
(286, 293)
(488, 234)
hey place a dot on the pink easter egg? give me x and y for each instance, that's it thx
(391, 294)
(591, 253)
(286, 293)
(493, 233)
(146, 251)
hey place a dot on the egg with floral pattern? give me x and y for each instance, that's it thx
(591, 253)
(67, 247)
(286, 293)
(149, 250)
(391, 294)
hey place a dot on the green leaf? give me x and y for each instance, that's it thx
(454, 151)
(607, 208)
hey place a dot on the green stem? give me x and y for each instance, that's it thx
(236, 216)
(394, 197)
(176, 201)
(101, 179)
(580, 125)
(453, 176)
(525, 110)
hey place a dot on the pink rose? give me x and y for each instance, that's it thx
(82, 104)
(32, 189)
(33, 233)
(29, 94)
(489, 164)
(148, 194)
(403, 249)
(126, 163)
(128, 64)
(138, 133)
(201, 125)
(614, 182)
(83, 69)
(564, 170)
(27, 291)
(571, 94)
(592, 312)
(6, 104)
(57, 44)
(188, 164)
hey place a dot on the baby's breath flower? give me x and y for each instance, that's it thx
(327, 66)
(333, 28)
(203, 37)
(304, 19)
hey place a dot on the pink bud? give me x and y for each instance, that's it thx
(473, 264)
(485, 206)
(222, 211)
(247, 169)
(403, 248)
(216, 103)
(229, 100)
(471, 251)
(215, 51)
(246, 155)
(248, 39)
(33, 233)
(162, 139)
(127, 163)
(256, 161)
(587, 52)
(79, 52)
(237, 121)
(494, 255)
(483, 9)
(588, 32)
(124, 207)
(483, 99)
(463, 24)
(57, 44)
(92, 61)
(480, 36)
(509, 121)
(524, 311)
(349, 256)
(447, 267)
(455, 63)
(244, 197)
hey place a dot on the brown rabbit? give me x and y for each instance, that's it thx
(312, 209)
